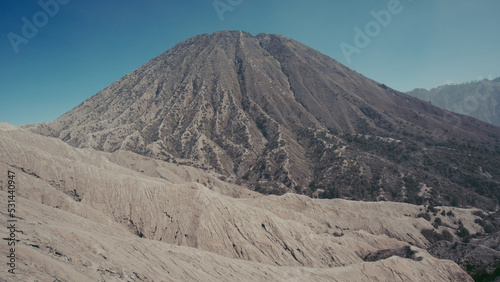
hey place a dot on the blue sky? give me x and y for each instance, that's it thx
(83, 46)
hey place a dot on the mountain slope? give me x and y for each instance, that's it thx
(476, 99)
(85, 215)
(278, 116)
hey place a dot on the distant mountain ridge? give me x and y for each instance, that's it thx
(277, 116)
(479, 99)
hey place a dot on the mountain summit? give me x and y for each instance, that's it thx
(273, 114)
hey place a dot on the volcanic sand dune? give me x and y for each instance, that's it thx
(88, 215)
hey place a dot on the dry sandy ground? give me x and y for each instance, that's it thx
(85, 215)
